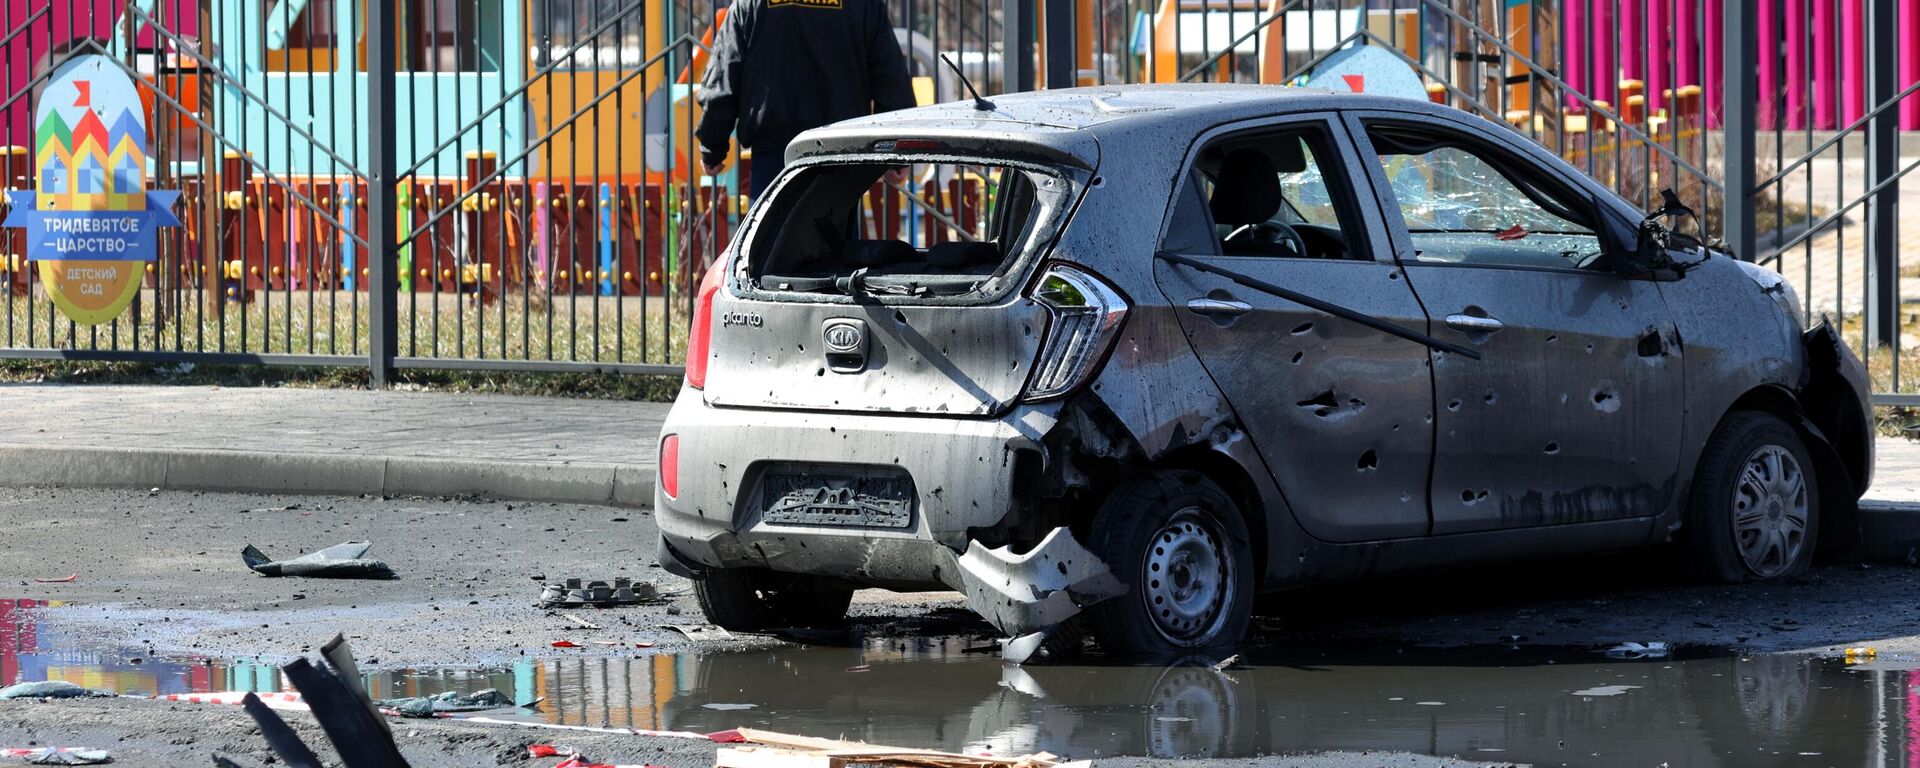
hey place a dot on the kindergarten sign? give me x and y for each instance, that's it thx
(90, 220)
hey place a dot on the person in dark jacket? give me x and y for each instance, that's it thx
(780, 67)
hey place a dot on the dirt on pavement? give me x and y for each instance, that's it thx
(161, 574)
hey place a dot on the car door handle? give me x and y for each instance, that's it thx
(1218, 307)
(1474, 323)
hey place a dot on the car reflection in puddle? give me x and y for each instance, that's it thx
(1526, 704)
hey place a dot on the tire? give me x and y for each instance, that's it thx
(751, 599)
(1755, 512)
(1180, 523)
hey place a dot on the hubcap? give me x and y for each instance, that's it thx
(1188, 578)
(1770, 511)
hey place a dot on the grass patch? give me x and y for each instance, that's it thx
(599, 386)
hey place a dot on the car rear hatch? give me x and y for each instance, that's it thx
(852, 290)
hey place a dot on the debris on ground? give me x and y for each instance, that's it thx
(580, 621)
(1028, 595)
(565, 644)
(574, 593)
(49, 689)
(338, 699)
(452, 701)
(59, 755)
(549, 750)
(1227, 663)
(340, 561)
(699, 633)
(1655, 650)
(63, 580)
(779, 750)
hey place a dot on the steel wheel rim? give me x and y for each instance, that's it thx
(1188, 578)
(1770, 509)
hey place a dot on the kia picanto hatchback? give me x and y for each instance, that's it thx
(1186, 344)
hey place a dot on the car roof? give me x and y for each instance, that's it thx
(1050, 117)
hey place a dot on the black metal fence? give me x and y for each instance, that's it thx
(512, 184)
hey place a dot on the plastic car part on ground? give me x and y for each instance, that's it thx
(58, 755)
(452, 701)
(574, 593)
(340, 561)
(48, 689)
(1027, 596)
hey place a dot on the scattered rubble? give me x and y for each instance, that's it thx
(451, 701)
(49, 689)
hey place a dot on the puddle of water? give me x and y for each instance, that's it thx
(1538, 705)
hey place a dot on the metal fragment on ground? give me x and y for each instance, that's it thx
(698, 633)
(340, 561)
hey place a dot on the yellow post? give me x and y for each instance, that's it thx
(1273, 45)
(1166, 46)
(655, 26)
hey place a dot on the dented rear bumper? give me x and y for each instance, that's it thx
(962, 473)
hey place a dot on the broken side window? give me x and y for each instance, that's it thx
(1267, 196)
(1463, 206)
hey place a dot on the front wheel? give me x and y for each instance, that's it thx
(1756, 503)
(1180, 545)
(750, 599)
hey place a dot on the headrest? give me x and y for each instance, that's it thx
(1247, 191)
(1290, 155)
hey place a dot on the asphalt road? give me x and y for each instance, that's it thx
(161, 574)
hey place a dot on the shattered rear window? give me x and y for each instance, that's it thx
(927, 229)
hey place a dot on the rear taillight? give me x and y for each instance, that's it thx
(700, 334)
(670, 465)
(1086, 319)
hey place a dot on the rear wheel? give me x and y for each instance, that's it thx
(1180, 545)
(1756, 503)
(750, 599)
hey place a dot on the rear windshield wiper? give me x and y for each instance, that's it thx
(1330, 308)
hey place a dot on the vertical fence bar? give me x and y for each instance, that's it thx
(382, 304)
(1742, 98)
(1016, 50)
(1883, 159)
(1062, 50)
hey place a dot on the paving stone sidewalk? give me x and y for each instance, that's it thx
(329, 440)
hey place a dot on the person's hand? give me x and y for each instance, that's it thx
(897, 176)
(714, 167)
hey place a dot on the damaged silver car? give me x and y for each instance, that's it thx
(1210, 341)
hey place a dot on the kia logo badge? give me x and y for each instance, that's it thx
(845, 336)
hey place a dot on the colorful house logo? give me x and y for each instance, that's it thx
(90, 220)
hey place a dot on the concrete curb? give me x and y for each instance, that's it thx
(247, 471)
(1889, 530)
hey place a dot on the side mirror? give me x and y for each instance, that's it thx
(1658, 241)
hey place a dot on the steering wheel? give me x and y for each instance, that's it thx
(1272, 232)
